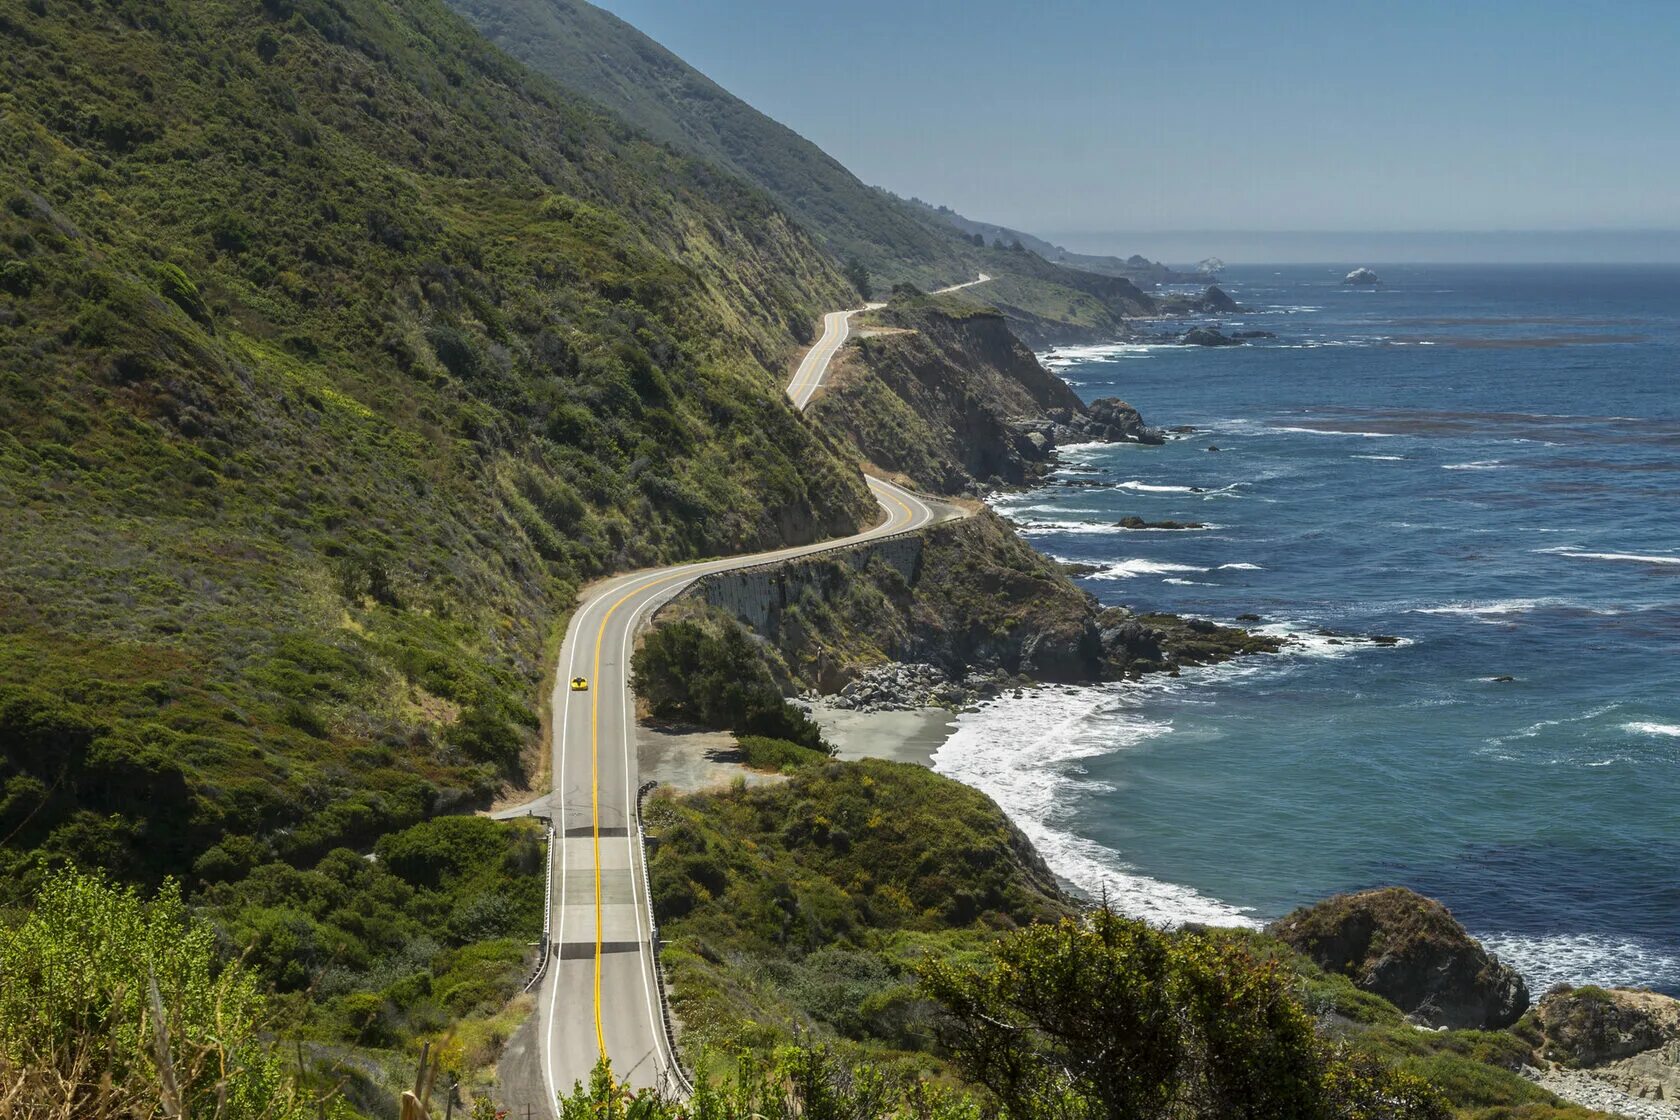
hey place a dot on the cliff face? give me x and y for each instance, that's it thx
(968, 597)
(950, 396)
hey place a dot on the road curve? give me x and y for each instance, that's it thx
(807, 379)
(600, 993)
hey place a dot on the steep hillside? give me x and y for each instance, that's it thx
(939, 391)
(336, 349)
(942, 391)
(603, 57)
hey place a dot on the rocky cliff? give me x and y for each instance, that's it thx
(949, 396)
(968, 598)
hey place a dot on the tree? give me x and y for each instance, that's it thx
(858, 274)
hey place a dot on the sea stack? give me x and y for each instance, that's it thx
(1362, 278)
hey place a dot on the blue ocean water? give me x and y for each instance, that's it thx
(1481, 461)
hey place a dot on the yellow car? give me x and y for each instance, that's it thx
(579, 684)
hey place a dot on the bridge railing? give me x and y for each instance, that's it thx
(544, 951)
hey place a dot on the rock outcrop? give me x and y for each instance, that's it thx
(1216, 300)
(1135, 522)
(1591, 1026)
(1213, 301)
(967, 601)
(951, 398)
(1621, 1040)
(1106, 420)
(1208, 336)
(1411, 951)
(1362, 278)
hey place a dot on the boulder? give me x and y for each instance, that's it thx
(1411, 951)
(1362, 278)
(1591, 1026)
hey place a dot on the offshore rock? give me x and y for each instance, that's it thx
(1107, 420)
(1208, 336)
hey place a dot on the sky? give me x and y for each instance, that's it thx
(1158, 123)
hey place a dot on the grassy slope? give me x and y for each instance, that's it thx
(336, 350)
(805, 904)
(605, 58)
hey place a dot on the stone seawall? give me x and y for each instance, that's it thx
(757, 596)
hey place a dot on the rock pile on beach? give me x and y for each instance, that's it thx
(896, 686)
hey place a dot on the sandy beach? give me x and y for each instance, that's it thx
(909, 736)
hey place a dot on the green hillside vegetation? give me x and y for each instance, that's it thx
(806, 904)
(877, 917)
(336, 350)
(112, 1006)
(602, 57)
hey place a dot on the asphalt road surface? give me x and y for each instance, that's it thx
(600, 994)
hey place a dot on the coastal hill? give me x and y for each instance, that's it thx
(1136, 268)
(339, 349)
(602, 57)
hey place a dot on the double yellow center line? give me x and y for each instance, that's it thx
(595, 763)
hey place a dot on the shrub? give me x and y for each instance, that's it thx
(762, 753)
(83, 977)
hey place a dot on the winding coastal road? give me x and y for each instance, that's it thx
(601, 992)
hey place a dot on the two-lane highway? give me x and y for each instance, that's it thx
(601, 994)
(836, 327)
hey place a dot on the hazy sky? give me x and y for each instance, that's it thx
(1347, 115)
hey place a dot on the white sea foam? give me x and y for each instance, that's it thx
(1381, 458)
(1187, 582)
(1646, 727)
(1631, 557)
(1141, 487)
(1040, 528)
(1477, 465)
(1305, 640)
(1026, 754)
(1151, 488)
(1078, 355)
(1492, 607)
(1241, 567)
(1578, 958)
(1540, 726)
(1131, 569)
(1334, 432)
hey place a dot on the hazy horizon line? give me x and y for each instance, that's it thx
(1619, 246)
